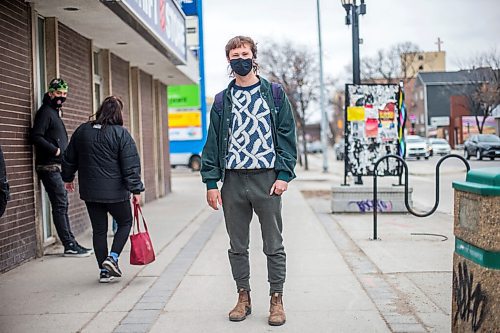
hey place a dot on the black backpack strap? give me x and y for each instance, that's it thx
(219, 101)
(276, 90)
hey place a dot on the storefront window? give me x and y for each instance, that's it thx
(42, 86)
(97, 79)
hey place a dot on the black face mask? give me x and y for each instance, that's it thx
(57, 102)
(241, 66)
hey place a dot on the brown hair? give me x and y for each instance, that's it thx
(238, 41)
(110, 112)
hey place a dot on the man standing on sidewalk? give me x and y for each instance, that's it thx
(251, 148)
(51, 139)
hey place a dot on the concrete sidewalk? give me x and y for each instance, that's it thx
(337, 279)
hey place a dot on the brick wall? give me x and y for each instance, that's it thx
(146, 87)
(17, 225)
(164, 137)
(120, 85)
(75, 66)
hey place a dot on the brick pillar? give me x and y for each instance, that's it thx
(136, 114)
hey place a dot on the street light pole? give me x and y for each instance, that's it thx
(354, 11)
(324, 118)
(356, 76)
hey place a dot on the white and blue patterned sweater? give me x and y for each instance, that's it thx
(250, 138)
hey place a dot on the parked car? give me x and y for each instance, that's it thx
(416, 147)
(339, 149)
(191, 160)
(439, 146)
(314, 147)
(482, 145)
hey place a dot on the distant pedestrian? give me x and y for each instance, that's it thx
(251, 148)
(4, 184)
(109, 170)
(51, 139)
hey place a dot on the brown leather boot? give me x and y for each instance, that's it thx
(243, 308)
(276, 312)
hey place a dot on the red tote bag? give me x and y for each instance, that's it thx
(141, 248)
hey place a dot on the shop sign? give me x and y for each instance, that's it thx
(184, 113)
(440, 121)
(164, 19)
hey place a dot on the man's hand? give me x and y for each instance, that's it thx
(70, 187)
(58, 152)
(214, 198)
(279, 187)
(136, 199)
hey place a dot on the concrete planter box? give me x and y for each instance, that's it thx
(476, 261)
(354, 199)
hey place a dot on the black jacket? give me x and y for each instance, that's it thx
(107, 162)
(48, 134)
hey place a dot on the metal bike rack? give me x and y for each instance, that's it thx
(407, 204)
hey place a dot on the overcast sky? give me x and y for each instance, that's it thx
(466, 28)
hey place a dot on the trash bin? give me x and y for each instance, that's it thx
(476, 261)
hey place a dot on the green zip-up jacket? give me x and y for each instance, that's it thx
(213, 158)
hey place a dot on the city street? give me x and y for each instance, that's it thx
(337, 277)
(422, 177)
(106, 101)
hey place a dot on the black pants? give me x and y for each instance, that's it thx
(98, 212)
(58, 197)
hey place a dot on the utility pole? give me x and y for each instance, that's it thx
(324, 117)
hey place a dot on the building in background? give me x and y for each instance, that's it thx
(414, 62)
(443, 97)
(126, 48)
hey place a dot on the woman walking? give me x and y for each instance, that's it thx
(109, 170)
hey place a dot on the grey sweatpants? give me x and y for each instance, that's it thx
(245, 192)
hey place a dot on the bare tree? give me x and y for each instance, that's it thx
(482, 92)
(337, 101)
(391, 65)
(296, 69)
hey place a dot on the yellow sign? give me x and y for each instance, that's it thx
(184, 119)
(355, 113)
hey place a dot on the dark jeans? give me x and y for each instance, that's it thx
(243, 193)
(58, 197)
(98, 212)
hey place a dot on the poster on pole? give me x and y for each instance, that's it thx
(373, 128)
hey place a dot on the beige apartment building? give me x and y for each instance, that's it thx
(415, 62)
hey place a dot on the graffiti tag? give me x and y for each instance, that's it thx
(367, 205)
(471, 304)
